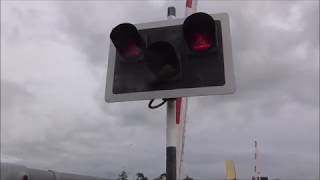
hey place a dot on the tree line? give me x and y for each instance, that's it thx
(140, 176)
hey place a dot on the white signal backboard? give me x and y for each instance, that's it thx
(227, 88)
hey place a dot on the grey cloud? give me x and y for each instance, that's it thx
(91, 148)
(13, 93)
(93, 38)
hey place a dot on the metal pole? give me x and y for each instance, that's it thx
(178, 116)
(171, 13)
(175, 159)
(171, 140)
(171, 160)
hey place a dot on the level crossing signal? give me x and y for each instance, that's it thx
(183, 57)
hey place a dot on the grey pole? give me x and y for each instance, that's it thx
(171, 158)
(171, 12)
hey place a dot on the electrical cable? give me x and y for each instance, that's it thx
(158, 105)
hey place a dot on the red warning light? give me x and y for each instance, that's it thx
(201, 42)
(199, 31)
(127, 41)
(133, 50)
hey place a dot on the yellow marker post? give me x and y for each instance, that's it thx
(230, 170)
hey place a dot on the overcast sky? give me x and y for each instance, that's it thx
(53, 70)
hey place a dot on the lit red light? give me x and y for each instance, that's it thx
(133, 50)
(201, 42)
